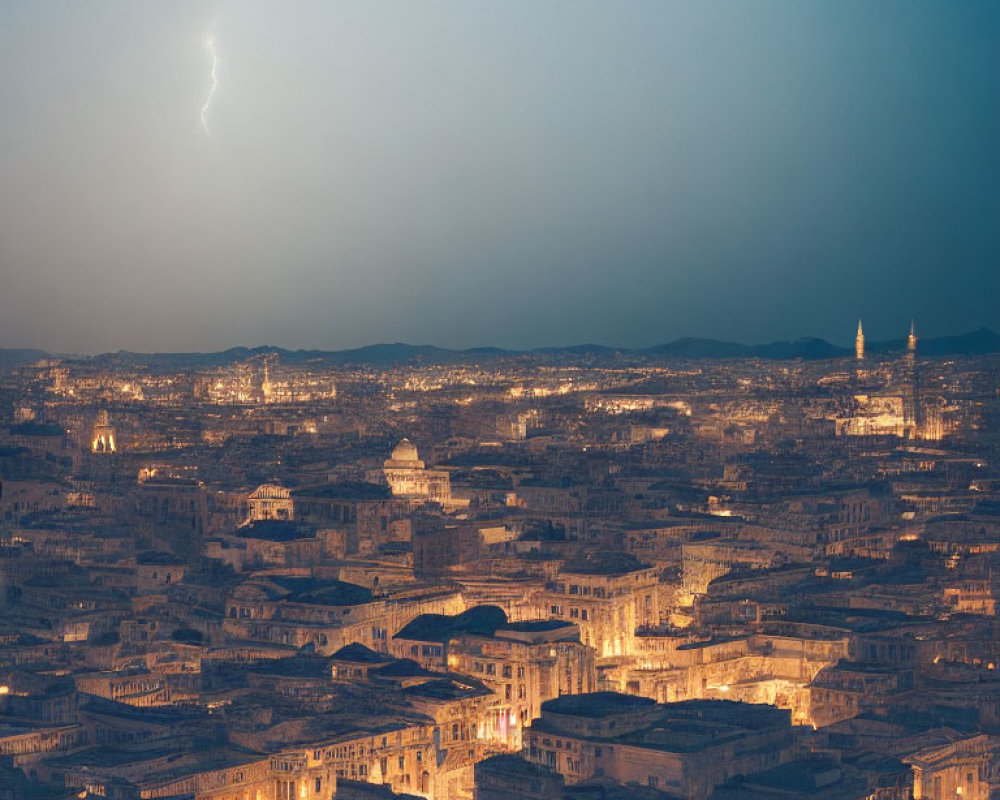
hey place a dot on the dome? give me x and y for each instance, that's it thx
(404, 456)
(405, 451)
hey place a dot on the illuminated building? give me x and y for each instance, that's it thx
(270, 501)
(103, 440)
(608, 599)
(685, 749)
(407, 476)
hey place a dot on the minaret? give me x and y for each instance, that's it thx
(911, 397)
(859, 344)
(265, 385)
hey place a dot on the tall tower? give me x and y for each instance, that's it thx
(859, 344)
(266, 388)
(911, 391)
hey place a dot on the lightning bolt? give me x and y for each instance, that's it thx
(214, 57)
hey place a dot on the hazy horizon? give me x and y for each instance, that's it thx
(845, 344)
(198, 176)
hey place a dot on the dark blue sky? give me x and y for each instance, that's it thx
(518, 174)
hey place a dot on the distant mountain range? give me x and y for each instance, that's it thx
(14, 358)
(978, 342)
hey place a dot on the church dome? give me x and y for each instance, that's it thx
(404, 456)
(405, 451)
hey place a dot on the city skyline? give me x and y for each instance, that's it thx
(515, 401)
(981, 340)
(269, 577)
(197, 177)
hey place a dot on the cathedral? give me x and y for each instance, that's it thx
(408, 477)
(900, 409)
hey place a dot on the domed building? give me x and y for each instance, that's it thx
(407, 475)
(404, 456)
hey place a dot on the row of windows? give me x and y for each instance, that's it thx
(534, 750)
(574, 613)
(585, 591)
(362, 770)
(490, 668)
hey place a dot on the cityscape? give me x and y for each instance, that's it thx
(521, 400)
(586, 573)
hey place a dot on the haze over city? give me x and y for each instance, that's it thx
(202, 175)
(536, 400)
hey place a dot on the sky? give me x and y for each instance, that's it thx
(520, 174)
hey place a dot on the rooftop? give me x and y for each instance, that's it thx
(483, 620)
(606, 563)
(596, 704)
(320, 592)
(345, 491)
(274, 530)
(357, 653)
(298, 666)
(534, 626)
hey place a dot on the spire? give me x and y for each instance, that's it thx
(911, 340)
(859, 343)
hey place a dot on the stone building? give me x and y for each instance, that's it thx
(441, 545)
(103, 439)
(777, 670)
(296, 611)
(407, 476)
(525, 664)
(171, 503)
(268, 544)
(685, 749)
(847, 690)
(703, 562)
(968, 768)
(608, 598)
(368, 513)
(511, 777)
(270, 501)
(904, 410)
